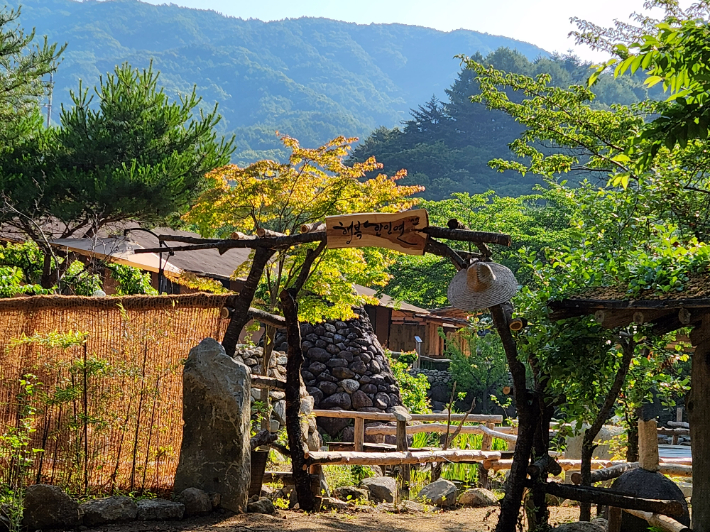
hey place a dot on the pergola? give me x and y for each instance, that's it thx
(690, 308)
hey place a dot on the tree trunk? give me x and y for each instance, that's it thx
(541, 447)
(527, 422)
(301, 476)
(632, 436)
(698, 408)
(628, 346)
(240, 317)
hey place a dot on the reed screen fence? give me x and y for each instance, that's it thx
(108, 413)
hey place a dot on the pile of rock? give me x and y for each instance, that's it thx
(48, 507)
(253, 357)
(345, 368)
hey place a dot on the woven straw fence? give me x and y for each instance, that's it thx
(108, 413)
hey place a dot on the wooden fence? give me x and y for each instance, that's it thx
(107, 414)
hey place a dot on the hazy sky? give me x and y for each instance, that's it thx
(541, 22)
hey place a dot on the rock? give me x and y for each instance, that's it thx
(328, 503)
(350, 385)
(307, 375)
(382, 489)
(580, 526)
(329, 327)
(337, 363)
(342, 373)
(346, 355)
(314, 441)
(651, 485)
(307, 403)
(478, 497)
(440, 493)
(382, 401)
(359, 367)
(109, 510)
(350, 493)
(332, 426)
(601, 522)
(360, 400)
(316, 368)
(281, 360)
(318, 354)
(328, 388)
(159, 510)
(262, 506)
(411, 506)
(440, 393)
(215, 450)
(276, 395)
(368, 388)
(316, 393)
(340, 400)
(196, 501)
(215, 500)
(279, 412)
(49, 507)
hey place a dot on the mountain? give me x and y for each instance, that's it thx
(446, 144)
(311, 78)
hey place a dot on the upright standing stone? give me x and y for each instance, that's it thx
(215, 452)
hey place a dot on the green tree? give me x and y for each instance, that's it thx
(673, 52)
(24, 69)
(125, 152)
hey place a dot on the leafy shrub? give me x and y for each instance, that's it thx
(413, 389)
(483, 371)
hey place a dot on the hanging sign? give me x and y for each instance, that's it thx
(398, 231)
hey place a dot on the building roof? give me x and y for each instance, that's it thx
(387, 301)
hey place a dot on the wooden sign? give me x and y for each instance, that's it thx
(398, 231)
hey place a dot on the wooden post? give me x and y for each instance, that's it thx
(679, 419)
(614, 523)
(402, 416)
(698, 408)
(648, 444)
(486, 445)
(359, 438)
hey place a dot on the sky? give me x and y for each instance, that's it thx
(542, 22)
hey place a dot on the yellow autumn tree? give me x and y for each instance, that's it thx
(281, 197)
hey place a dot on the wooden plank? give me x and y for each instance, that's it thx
(398, 458)
(384, 416)
(501, 435)
(398, 231)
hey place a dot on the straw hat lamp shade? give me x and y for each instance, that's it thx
(482, 285)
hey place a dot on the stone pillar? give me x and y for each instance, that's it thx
(215, 451)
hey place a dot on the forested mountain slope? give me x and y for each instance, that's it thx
(310, 78)
(446, 145)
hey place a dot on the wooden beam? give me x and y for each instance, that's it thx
(663, 522)
(463, 235)
(437, 428)
(384, 416)
(398, 458)
(611, 498)
(607, 473)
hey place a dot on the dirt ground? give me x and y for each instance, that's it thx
(465, 519)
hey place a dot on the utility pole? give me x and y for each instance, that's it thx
(49, 102)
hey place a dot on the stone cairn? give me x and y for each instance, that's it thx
(345, 368)
(252, 357)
